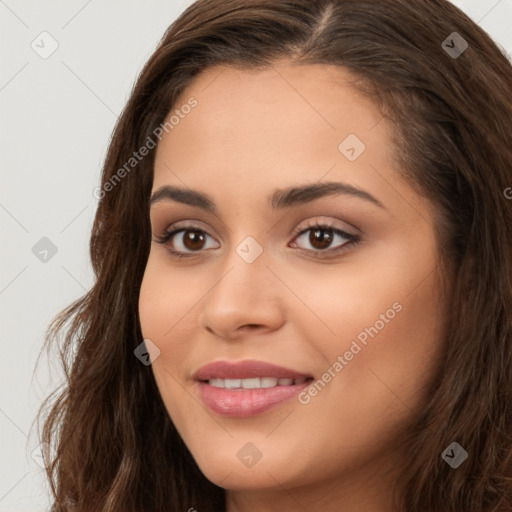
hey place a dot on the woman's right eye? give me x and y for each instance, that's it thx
(186, 241)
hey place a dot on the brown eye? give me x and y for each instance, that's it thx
(193, 240)
(186, 240)
(321, 238)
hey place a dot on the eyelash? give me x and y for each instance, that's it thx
(352, 240)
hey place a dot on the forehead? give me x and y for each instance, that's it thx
(273, 124)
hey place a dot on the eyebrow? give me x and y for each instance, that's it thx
(280, 199)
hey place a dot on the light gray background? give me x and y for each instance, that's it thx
(57, 116)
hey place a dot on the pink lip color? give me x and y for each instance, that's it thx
(245, 370)
(243, 403)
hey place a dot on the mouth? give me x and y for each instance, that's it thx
(247, 388)
(254, 382)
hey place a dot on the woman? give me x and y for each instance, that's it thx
(304, 272)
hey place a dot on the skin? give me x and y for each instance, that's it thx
(251, 133)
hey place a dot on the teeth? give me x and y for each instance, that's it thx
(251, 383)
(254, 382)
(232, 383)
(268, 382)
(218, 383)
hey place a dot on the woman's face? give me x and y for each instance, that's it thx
(354, 305)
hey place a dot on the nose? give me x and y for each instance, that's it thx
(245, 299)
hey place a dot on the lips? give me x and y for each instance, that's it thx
(246, 370)
(247, 388)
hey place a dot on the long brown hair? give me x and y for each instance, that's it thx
(116, 449)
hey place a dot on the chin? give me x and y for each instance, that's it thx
(230, 473)
(240, 479)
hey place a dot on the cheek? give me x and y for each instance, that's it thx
(163, 308)
(387, 327)
(388, 362)
(166, 298)
(168, 303)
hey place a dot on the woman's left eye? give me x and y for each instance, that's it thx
(322, 237)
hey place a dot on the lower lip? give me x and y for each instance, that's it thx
(243, 403)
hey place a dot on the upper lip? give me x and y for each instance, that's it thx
(245, 370)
